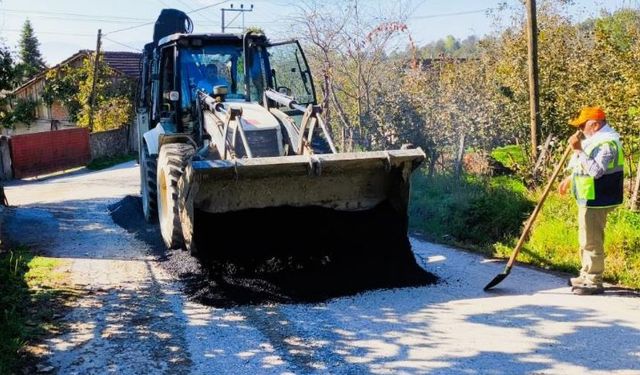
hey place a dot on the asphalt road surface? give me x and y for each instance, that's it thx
(137, 317)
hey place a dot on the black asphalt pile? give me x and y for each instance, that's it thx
(287, 255)
(127, 213)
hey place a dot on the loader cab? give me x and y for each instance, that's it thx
(245, 66)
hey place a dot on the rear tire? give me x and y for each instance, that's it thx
(148, 182)
(172, 161)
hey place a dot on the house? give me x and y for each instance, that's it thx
(124, 64)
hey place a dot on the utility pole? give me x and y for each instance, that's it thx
(92, 98)
(241, 11)
(534, 99)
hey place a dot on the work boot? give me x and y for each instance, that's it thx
(576, 281)
(579, 280)
(587, 290)
(586, 287)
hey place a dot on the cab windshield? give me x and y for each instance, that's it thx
(203, 68)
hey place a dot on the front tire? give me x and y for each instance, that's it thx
(187, 216)
(172, 161)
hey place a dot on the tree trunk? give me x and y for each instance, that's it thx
(458, 163)
(326, 108)
(541, 157)
(343, 117)
(433, 157)
(634, 204)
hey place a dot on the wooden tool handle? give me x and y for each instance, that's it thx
(536, 210)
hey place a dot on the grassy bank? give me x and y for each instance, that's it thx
(31, 293)
(472, 212)
(487, 215)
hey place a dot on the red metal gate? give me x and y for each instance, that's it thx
(47, 152)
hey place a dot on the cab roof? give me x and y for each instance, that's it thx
(208, 37)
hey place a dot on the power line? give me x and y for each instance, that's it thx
(208, 6)
(451, 14)
(52, 33)
(152, 22)
(81, 19)
(191, 8)
(122, 44)
(130, 28)
(89, 17)
(41, 12)
(83, 35)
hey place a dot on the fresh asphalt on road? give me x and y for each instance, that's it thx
(136, 317)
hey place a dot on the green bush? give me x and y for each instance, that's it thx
(472, 212)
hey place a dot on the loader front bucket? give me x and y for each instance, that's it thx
(344, 181)
(337, 207)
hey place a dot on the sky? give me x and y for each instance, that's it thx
(65, 26)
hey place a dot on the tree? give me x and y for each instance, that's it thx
(7, 80)
(31, 62)
(7, 69)
(475, 94)
(61, 85)
(451, 44)
(348, 46)
(72, 87)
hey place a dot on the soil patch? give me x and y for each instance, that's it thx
(285, 254)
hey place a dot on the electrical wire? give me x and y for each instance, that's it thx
(53, 33)
(208, 6)
(451, 14)
(42, 12)
(184, 3)
(152, 22)
(122, 44)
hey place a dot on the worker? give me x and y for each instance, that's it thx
(597, 184)
(211, 79)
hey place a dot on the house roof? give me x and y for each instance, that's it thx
(128, 63)
(125, 63)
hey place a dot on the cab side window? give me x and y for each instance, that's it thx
(167, 79)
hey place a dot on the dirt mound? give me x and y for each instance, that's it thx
(286, 254)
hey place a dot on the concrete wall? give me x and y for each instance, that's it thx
(6, 172)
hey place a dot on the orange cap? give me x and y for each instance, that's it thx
(586, 114)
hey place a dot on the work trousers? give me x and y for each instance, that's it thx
(591, 224)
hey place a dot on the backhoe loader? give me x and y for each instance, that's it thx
(250, 138)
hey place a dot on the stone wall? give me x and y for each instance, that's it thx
(114, 142)
(109, 143)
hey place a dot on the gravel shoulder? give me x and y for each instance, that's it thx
(136, 318)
